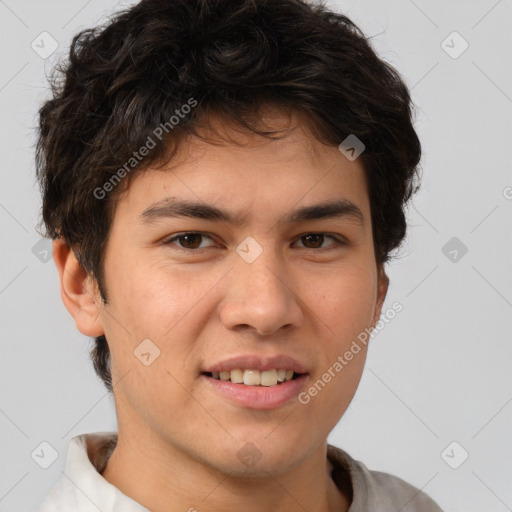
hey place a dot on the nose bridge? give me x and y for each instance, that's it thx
(259, 295)
(264, 276)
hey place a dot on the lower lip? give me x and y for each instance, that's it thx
(258, 397)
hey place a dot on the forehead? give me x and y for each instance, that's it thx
(231, 166)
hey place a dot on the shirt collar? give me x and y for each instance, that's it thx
(82, 480)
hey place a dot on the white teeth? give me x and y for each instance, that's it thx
(252, 377)
(237, 376)
(269, 378)
(255, 377)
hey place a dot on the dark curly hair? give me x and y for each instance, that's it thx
(124, 79)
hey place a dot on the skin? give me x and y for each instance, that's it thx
(178, 440)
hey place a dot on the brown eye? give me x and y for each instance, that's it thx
(187, 241)
(315, 241)
(192, 241)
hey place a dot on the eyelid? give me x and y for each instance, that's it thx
(339, 240)
(169, 240)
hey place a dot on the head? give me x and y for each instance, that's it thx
(169, 100)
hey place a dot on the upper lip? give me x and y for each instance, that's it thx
(255, 362)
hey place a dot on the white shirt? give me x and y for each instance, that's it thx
(81, 488)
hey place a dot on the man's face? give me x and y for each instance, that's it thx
(261, 289)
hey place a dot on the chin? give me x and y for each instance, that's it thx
(259, 457)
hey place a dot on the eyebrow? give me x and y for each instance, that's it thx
(172, 207)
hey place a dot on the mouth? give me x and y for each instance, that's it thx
(253, 377)
(256, 381)
(252, 389)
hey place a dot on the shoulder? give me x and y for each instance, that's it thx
(376, 490)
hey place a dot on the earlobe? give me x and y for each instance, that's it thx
(77, 291)
(382, 290)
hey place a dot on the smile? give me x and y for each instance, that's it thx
(257, 396)
(252, 377)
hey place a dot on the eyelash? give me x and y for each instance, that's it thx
(168, 241)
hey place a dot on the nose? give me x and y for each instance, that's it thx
(261, 297)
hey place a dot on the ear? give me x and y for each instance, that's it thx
(382, 290)
(78, 291)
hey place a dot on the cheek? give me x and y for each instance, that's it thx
(159, 305)
(154, 298)
(170, 307)
(346, 302)
(346, 306)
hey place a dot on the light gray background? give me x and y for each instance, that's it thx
(439, 372)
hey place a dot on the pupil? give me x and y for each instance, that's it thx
(196, 235)
(317, 236)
